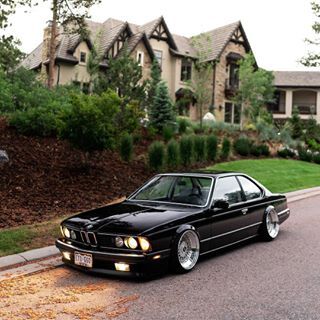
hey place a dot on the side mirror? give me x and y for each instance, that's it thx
(221, 204)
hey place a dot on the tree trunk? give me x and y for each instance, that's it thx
(52, 51)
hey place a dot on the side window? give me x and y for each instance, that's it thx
(251, 190)
(228, 188)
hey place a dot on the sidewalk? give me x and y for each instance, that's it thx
(39, 259)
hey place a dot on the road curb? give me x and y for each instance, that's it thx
(31, 258)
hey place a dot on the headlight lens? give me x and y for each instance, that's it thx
(131, 243)
(119, 242)
(144, 244)
(66, 232)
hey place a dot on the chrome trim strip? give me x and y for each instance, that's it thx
(232, 231)
(134, 255)
(284, 212)
(228, 245)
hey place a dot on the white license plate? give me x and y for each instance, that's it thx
(83, 259)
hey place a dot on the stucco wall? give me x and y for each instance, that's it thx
(70, 73)
(147, 62)
(222, 73)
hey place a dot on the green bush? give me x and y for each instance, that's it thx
(212, 147)
(242, 146)
(316, 158)
(126, 147)
(199, 143)
(305, 155)
(167, 133)
(260, 150)
(186, 149)
(156, 154)
(183, 124)
(172, 154)
(226, 148)
(90, 124)
(40, 121)
(286, 153)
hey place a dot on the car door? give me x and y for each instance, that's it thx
(227, 224)
(254, 204)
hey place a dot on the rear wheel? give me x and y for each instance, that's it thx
(186, 252)
(271, 226)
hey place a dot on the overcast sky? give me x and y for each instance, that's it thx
(276, 29)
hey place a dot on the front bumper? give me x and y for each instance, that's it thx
(104, 262)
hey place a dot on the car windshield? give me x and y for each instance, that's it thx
(176, 189)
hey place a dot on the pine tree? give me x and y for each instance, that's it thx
(161, 111)
(155, 78)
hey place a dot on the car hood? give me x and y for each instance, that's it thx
(129, 218)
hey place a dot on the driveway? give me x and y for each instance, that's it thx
(258, 280)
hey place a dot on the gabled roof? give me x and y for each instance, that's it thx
(297, 79)
(106, 33)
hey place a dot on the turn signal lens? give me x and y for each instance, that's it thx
(119, 242)
(131, 243)
(66, 232)
(144, 244)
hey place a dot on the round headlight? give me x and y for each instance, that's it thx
(131, 243)
(73, 235)
(66, 232)
(144, 244)
(119, 242)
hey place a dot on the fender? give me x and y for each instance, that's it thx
(182, 229)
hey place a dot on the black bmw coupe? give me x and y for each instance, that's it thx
(171, 221)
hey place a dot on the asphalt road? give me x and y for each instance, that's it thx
(258, 280)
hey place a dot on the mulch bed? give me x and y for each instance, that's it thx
(46, 178)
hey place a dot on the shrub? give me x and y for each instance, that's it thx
(186, 149)
(243, 146)
(173, 154)
(260, 150)
(183, 125)
(41, 121)
(316, 158)
(126, 147)
(286, 153)
(156, 155)
(226, 148)
(91, 122)
(167, 133)
(212, 147)
(305, 155)
(199, 148)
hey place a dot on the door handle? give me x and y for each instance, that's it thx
(244, 211)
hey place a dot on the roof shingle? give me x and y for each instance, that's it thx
(296, 78)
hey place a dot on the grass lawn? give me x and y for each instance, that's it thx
(278, 175)
(19, 239)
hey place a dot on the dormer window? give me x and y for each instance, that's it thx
(83, 57)
(140, 57)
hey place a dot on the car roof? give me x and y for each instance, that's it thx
(208, 173)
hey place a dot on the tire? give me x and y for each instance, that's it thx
(186, 251)
(270, 229)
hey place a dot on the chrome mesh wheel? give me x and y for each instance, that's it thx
(272, 226)
(188, 249)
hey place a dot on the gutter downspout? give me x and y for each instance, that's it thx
(58, 76)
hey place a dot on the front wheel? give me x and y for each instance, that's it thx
(271, 225)
(186, 252)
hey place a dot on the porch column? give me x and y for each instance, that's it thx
(288, 103)
(318, 107)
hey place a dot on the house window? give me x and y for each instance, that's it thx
(234, 75)
(186, 68)
(232, 113)
(158, 55)
(83, 57)
(140, 57)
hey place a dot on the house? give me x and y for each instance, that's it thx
(174, 53)
(300, 89)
